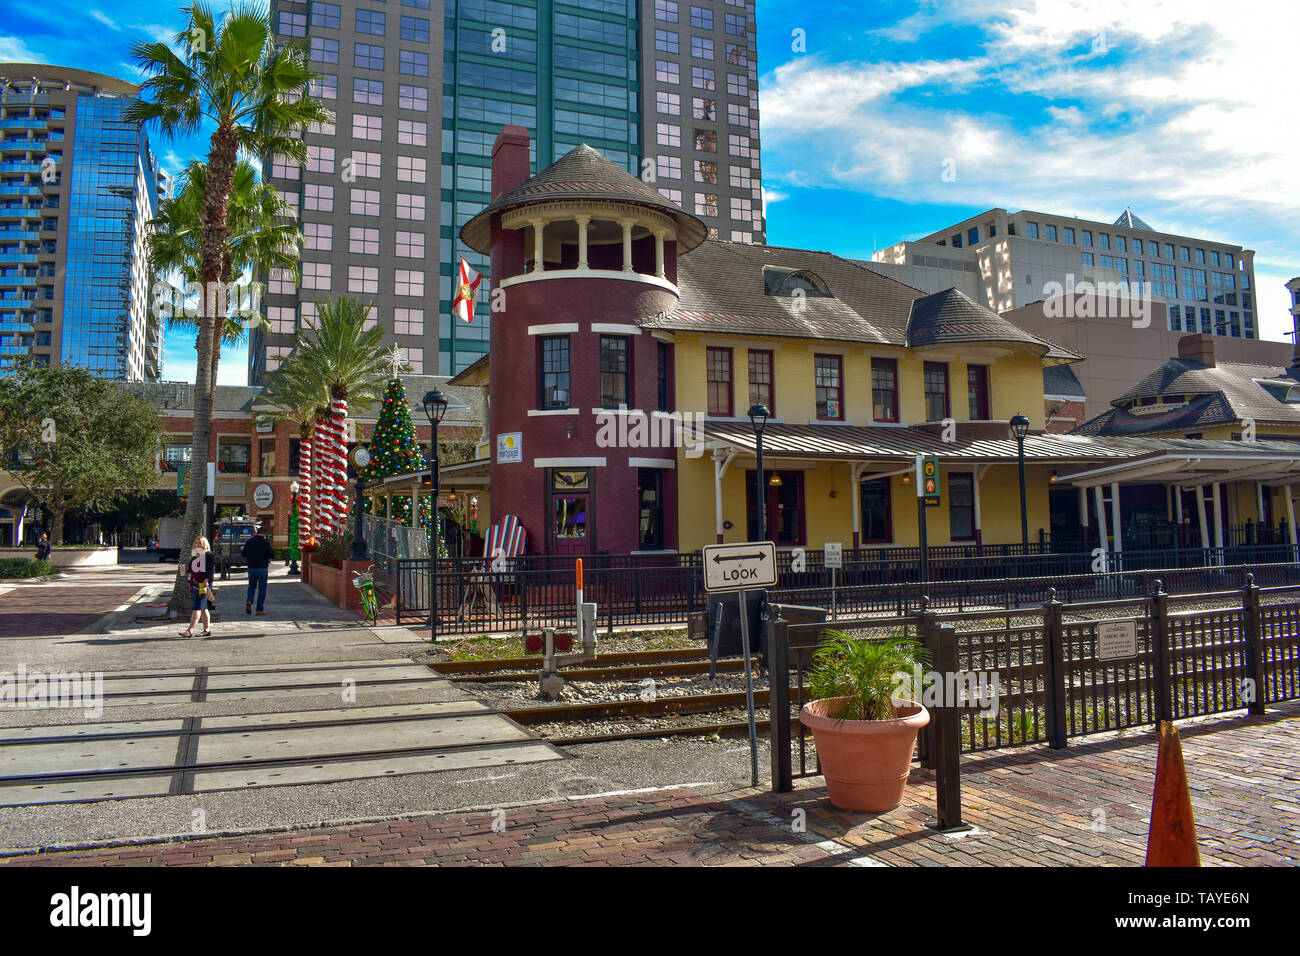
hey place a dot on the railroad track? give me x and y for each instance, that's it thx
(716, 712)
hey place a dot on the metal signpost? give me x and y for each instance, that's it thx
(927, 496)
(833, 557)
(738, 567)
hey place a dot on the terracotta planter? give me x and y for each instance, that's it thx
(865, 762)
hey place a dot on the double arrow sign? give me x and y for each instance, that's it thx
(735, 567)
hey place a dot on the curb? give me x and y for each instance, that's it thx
(704, 788)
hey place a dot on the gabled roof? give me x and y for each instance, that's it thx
(1060, 381)
(1221, 394)
(951, 317)
(1130, 221)
(726, 289)
(583, 173)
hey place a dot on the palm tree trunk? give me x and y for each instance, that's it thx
(339, 416)
(321, 485)
(222, 154)
(305, 486)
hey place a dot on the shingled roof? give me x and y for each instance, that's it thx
(1221, 394)
(583, 173)
(951, 317)
(726, 287)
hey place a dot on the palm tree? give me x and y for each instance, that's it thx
(263, 235)
(349, 360)
(234, 77)
(301, 397)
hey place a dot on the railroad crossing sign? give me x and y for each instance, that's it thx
(927, 478)
(736, 567)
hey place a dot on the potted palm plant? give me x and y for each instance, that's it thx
(865, 735)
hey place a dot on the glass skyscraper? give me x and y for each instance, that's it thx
(78, 185)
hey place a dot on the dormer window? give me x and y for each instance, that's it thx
(790, 282)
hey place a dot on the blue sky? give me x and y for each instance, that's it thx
(1182, 109)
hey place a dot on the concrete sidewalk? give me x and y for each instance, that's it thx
(1085, 806)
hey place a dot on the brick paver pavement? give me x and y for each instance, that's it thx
(1087, 805)
(50, 610)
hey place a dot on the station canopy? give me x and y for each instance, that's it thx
(1082, 460)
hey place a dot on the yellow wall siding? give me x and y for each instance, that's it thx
(1015, 386)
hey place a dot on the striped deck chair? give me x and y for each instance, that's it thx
(503, 542)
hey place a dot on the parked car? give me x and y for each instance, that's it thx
(232, 534)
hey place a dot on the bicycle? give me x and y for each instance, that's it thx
(364, 581)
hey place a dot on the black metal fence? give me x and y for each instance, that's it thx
(536, 591)
(1042, 676)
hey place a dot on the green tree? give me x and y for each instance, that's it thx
(75, 441)
(299, 395)
(263, 234)
(253, 93)
(350, 361)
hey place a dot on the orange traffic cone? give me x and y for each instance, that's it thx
(1171, 840)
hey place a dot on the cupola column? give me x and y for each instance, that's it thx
(539, 225)
(659, 252)
(627, 244)
(582, 240)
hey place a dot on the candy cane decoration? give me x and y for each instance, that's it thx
(339, 415)
(321, 486)
(304, 489)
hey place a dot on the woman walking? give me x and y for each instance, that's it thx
(201, 564)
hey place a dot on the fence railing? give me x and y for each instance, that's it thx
(538, 591)
(1056, 676)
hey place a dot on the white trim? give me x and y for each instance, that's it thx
(829, 349)
(619, 328)
(621, 410)
(829, 421)
(543, 412)
(553, 328)
(1066, 398)
(668, 337)
(652, 463)
(568, 462)
(587, 274)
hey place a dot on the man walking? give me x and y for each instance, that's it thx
(258, 553)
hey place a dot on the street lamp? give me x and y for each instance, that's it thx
(293, 528)
(435, 408)
(758, 416)
(360, 459)
(1019, 429)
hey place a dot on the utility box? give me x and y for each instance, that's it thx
(728, 636)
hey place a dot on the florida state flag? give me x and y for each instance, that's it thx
(463, 305)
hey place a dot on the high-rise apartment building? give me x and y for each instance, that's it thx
(407, 160)
(78, 186)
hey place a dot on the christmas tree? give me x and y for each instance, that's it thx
(394, 449)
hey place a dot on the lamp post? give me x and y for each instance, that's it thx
(435, 407)
(360, 552)
(1019, 426)
(293, 528)
(758, 416)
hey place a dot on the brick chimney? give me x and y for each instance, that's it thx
(510, 166)
(1199, 347)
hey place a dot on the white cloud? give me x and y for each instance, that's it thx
(105, 19)
(1183, 113)
(14, 50)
